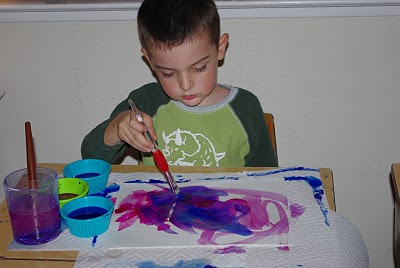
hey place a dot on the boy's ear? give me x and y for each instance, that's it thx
(223, 43)
(146, 55)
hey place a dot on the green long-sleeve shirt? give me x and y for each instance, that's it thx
(230, 133)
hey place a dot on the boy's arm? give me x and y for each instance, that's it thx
(249, 110)
(262, 153)
(93, 145)
(148, 98)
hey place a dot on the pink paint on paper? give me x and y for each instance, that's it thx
(211, 213)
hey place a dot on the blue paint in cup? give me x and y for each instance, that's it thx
(94, 171)
(87, 175)
(88, 216)
(87, 213)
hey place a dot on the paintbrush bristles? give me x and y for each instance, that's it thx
(30, 157)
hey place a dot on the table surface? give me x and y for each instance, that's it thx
(55, 259)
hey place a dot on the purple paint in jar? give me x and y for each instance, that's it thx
(32, 227)
(34, 213)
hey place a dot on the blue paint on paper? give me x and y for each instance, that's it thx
(199, 263)
(199, 208)
(229, 250)
(149, 181)
(318, 191)
(155, 181)
(94, 241)
(107, 191)
(221, 178)
(276, 171)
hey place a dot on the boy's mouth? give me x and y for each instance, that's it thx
(189, 97)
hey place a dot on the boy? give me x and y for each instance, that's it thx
(195, 120)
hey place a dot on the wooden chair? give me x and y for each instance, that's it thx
(395, 177)
(269, 118)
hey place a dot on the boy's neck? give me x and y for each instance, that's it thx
(218, 95)
(225, 96)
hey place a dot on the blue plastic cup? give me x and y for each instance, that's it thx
(88, 216)
(94, 171)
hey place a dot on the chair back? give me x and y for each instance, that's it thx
(269, 118)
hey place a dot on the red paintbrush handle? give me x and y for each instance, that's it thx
(160, 160)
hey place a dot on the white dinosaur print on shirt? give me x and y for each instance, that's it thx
(184, 148)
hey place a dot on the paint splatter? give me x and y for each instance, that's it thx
(94, 241)
(209, 211)
(199, 263)
(107, 191)
(229, 250)
(296, 210)
(283, 248)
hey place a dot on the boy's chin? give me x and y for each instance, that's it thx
(190, 103)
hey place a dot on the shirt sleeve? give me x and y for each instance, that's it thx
(249, 110)
(147, 98)
(262, 153)
(93, 145)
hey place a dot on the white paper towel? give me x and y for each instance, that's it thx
(338, 246)
(319, 238)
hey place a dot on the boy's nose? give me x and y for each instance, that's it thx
(186, 82)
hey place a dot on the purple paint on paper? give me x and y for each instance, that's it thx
(231, 249)
(283, 248)
(296, 210)
(200, 209)
(314, 182)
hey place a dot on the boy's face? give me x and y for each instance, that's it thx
(188, 73)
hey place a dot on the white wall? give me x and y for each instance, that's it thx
(332, 84)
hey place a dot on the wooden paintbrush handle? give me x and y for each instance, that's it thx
(30, 157)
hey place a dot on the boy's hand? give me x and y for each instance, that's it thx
(125, 127)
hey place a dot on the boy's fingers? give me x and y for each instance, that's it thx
(133, 133)
(137, 140)
(135, 124)
(149, 123)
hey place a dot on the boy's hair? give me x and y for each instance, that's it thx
(165, 24)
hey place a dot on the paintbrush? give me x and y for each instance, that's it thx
(32, 178)
(30, 157)
(158, 156)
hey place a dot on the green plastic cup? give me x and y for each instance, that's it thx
(70, 189)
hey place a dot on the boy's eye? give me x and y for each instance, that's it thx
(201, 69)
(167, 75)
